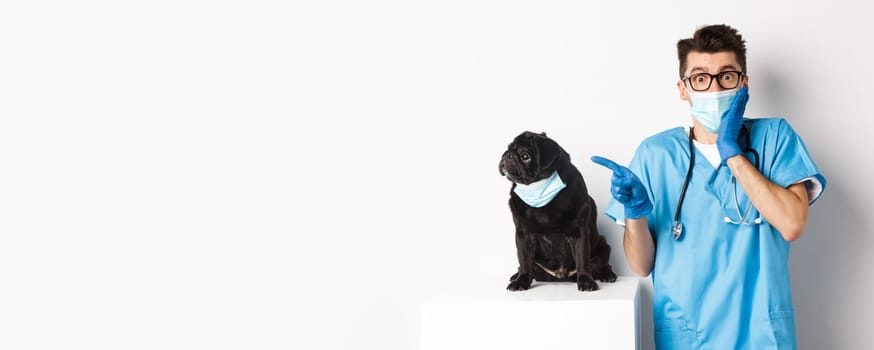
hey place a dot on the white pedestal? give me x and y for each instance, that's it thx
(547, 316)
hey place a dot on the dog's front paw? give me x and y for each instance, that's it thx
(606, 275)
(521, 282)
(585, 283)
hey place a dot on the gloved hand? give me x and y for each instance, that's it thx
(732, 122)
(627, 189)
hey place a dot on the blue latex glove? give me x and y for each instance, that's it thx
(627, 189)
(732, 122)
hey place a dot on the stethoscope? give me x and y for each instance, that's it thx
(677, 228)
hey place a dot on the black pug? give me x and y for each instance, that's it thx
(557, 239)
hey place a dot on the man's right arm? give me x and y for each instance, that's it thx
(639, 246)
(627, 189)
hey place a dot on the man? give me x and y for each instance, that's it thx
(710, 211)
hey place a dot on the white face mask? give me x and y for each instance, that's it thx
(708, 107)
(540, 193)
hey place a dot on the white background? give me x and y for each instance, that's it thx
(266, 175)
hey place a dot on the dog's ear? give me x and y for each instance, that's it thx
(548, 152)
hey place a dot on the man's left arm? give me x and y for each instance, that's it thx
(784, 208)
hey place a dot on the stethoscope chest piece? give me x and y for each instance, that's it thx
(677, 230)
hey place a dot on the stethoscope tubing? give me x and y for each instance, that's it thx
(677, 227)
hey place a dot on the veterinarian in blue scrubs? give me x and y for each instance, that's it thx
(710, 211)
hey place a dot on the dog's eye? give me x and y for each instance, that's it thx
(524, 156)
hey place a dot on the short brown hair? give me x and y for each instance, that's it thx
(712, 39)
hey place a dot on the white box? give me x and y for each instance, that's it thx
(547, 316)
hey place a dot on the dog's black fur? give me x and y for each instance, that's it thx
(560, 238)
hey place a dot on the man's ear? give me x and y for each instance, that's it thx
(684, 95)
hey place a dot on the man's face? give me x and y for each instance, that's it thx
(712, 63)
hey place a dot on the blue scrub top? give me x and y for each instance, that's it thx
(721, 285)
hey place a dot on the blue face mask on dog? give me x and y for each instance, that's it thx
(540, 193)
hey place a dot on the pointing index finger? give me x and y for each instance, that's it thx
(609, 164)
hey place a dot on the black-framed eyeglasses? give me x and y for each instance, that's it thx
(727, 80)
